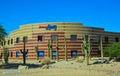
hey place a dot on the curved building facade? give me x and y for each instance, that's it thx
(52, 37)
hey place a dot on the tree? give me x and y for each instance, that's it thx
(112, 50)
(2, 34)
(2, 39)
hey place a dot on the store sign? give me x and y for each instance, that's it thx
(49, 27)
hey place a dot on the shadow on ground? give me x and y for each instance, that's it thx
(15, 65)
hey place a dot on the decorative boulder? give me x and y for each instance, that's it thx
(80, 59)
(46, 61)
(23, 67)
(45, 67)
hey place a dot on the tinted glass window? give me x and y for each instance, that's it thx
(18, 54)
(73, 53)
(73, 37)
(53, 53)
(40, 53)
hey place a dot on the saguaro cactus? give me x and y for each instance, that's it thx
(24, 52)
(101, 47)
(89, 47)
(48, 48)
(36, 50)
(99, 37)
(86, 48)
(65, 48)
(83, 51)
(57, 56)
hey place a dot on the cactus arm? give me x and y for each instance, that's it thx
(65, 48)
(21, 51)
(48, 48)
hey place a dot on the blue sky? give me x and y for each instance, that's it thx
(95, 13)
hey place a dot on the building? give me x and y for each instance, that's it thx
(42, 33)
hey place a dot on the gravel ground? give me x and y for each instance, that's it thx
(63, 68)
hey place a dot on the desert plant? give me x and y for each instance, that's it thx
(46, 61)
(36, 50)
(65, 48)
(86, 48)
(112, 50)
(6, 54)
(57, 56)
(2, 34)
(79, 59)
(24, 52)
(99, 37)
(50, 48)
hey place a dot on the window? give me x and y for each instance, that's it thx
(11, 54)
(54, 37)
(73, 37)
(106, 39)
(40, 38)
(11, 41)
(8, 42)
(8, 54)
(17, 54)
(54, 53)
(1, 55)
(17, 40)
(40, 53)
(117, 39)
(73, 53)
(26, 55)
(4, 42)
(25, 38)
(98, 38)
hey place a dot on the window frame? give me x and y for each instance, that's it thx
(40, 38)
(54, 37)
(25, 38)
(17, 54)
(54, 53)
(73, 37)
(42, 53)
(106, 39)
(11, 41)
(116, 39)
(11, 54)
(8, 42)
(18, 40)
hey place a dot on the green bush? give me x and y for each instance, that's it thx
(113, 50)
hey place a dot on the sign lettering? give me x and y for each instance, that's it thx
(49, 27)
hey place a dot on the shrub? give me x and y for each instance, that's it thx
(113, 50)
(46, 61)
